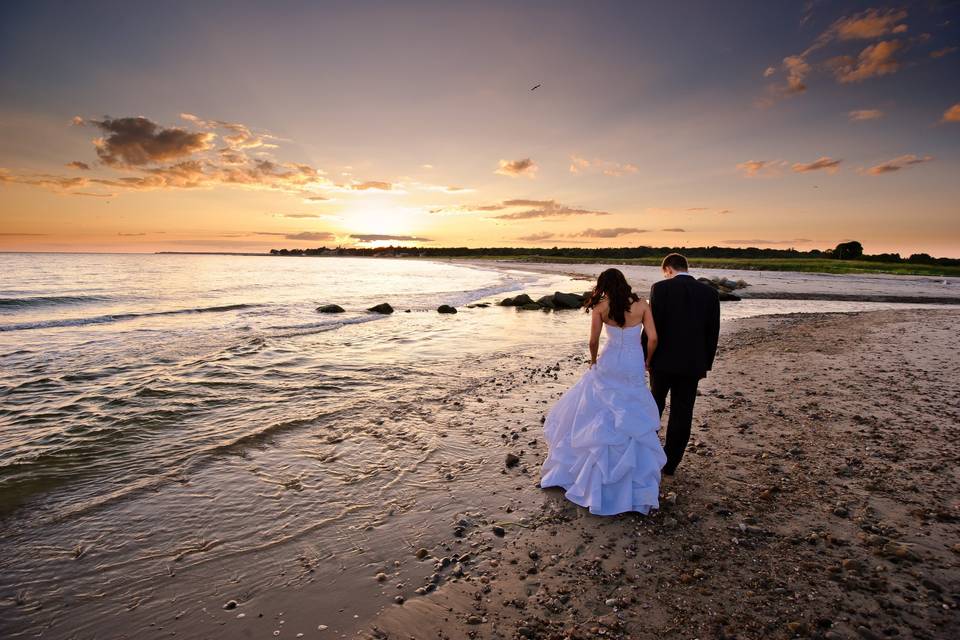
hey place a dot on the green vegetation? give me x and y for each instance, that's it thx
(809, 265)
(847, 257)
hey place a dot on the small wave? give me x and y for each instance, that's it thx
(306, 328)
(79, 322)
(39, 301)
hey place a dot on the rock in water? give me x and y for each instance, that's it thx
(728, 297)
(383, 307)
(567, 300)
(330, 308)
(546, 302)
(531, 306)
(445, 308)
(517, 301)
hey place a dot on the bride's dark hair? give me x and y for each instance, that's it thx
(614, 287)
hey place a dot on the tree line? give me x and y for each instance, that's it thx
(851, 250)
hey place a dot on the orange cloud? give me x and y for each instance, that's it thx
(605, 167)
(544, 209)
(874, 61)
(952, 114)
(897, 164)
(375, 185)
(755, 168)
(614, 232)
(945, 51)
(820, 164)
(514, 168)
(865, 114)
(869, 24)
(76, 164)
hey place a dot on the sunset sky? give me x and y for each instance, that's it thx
(205, 126)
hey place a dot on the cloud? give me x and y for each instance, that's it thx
(311, 235)
(675, 230)
(372, 185)
(303, 235)
(945, 51)
(152, 156)
(137, 141)
(537, 237)
(897, 164)
(697, 209)
(869, 24)
(865, 114)
(952, 114)
(374, 237)
(874, 61)
(514, 168)
(22, 235)
(755, 168)
(797, 70)
(58, 183)
(131, 235)
(820, 164)
(299, 215)
(605, 167)
(614, 232)
(441, 188)
(426, 166)
(722, 211)
(756, 242)
(544, 209)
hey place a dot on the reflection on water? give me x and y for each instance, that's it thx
(194, 409)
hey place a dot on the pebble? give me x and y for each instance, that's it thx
(499, 531)
(381, 577)
(231, 604)
(399, 599)
(422, 553)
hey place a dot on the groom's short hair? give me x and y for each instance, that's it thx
(675, 261)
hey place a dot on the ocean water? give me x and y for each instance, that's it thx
(196, 411)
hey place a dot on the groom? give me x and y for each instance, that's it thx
(687, 316)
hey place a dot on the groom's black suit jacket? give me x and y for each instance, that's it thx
(687, 316)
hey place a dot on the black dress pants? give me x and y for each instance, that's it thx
(683, 393)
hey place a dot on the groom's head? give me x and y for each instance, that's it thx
(673, 264)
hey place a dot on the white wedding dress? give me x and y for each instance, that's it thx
(602, 433)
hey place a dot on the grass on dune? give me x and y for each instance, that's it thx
(810, 265)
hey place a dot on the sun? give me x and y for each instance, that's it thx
(377, 214)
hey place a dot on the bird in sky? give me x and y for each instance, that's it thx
(535, 88)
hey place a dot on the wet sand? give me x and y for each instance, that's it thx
(820, 497)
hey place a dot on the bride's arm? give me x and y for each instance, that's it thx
(596, 324)
(650, 329)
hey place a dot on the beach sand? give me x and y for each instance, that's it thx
(819, 497)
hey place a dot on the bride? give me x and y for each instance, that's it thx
(602, 432)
